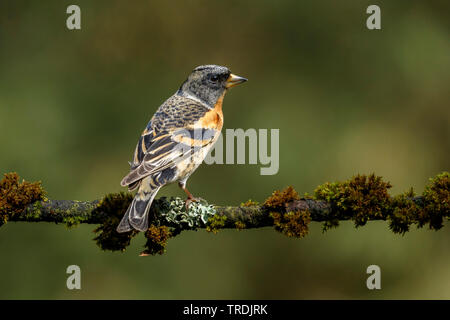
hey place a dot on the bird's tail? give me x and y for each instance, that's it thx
(136, 216)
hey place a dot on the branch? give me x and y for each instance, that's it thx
(360, 199)
(254, 216)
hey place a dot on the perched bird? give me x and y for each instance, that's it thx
(176, 140)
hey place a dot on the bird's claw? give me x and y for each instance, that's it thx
(190, 200)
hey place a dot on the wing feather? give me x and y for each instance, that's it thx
(166, 153)
(169, 138)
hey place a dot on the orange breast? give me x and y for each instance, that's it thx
(214, 117)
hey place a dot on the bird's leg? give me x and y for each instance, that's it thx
(190, 197)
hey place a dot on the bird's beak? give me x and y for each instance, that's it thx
(234, 80)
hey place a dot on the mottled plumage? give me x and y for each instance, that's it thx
(176, 140)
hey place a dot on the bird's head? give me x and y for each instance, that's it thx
(208, 83)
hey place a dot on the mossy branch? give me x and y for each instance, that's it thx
(255, 216)
(360, 199)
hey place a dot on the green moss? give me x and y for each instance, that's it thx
(330, 224)
(278, 199)
(215, 223)
(73, 221)
(293, 223)
(69, 219)
(306, 195)
(361, 199)
(249, 203)
(239, 225)
(157, 238)
(404, 213)
(432, 210)
(436, 199)
(15, 196)
(114, 206)
(35, 212)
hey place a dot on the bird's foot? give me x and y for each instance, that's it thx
(189, 200)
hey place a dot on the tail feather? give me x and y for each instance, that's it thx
(124, 225)
(134, 185)
(136, 216)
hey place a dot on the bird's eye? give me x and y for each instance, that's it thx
(214, 78)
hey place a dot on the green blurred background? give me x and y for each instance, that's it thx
(347, 100)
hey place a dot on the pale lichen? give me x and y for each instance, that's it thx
(174, 212)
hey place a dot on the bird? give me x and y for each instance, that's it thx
(176, 140)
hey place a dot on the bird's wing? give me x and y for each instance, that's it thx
(176, 132)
